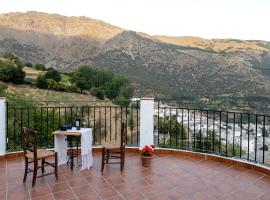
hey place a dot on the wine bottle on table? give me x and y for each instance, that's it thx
(78, 124)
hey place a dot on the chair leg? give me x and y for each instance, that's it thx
(42, 165)
(35, 173)
(122, 160)
(122, 166)
(103, 159)
(26, 169)
(77, 150)
(107, 156)
(56, 166)
(124, 157)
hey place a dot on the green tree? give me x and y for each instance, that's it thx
(52, 84)
(62, 87)
(10, 72)
(82, 78)
(28, 64)
(98, 92)
(50, 69)
(103, 84)
(30, 81)
(126, 91)
(40, 67)
(73, 87)
(53, 74)
(42, 82)
(18, 76)
(14, 59)
(6, 65)
(3, 87)
(112, 88)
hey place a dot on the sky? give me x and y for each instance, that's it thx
(239, 19)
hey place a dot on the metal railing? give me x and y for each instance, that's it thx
(226, 133)
(104, 118)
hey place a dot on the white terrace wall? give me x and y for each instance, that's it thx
(3, 131)
(146, 121)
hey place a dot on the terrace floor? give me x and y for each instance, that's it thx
(170, 177)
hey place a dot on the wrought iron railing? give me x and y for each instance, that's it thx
(103, 117)
(226, 133)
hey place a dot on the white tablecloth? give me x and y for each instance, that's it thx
(60, 146)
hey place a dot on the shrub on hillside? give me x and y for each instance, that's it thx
(42, 82)
(62, 87)
(73, 88)
(3, 87)
(102, 83)
(54, 85)
(30, 81)
(50, 69)
(126, 91)
(53, 74)
(9, 72)
(14, 59)
(98, 92)
(40, 67)
(28, 64)
(18, 76)
(82, 78)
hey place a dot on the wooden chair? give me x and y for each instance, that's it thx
(115, 150)
(32, 155)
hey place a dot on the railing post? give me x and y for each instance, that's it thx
(146, 121)
(3, 131)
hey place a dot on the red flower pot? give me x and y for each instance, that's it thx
(146, 160)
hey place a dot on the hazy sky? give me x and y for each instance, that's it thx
(242, 19)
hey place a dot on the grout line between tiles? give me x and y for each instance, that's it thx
(29, 193)
(71, 188)
(120, 194)
(6, 181)
(92, 188)
(50, 189)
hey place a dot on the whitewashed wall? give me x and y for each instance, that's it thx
(146, 121)
(2, 126)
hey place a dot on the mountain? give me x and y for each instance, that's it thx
(180, 69)
(255, 52)
(228, 45)
(177, 67)
(58, 41)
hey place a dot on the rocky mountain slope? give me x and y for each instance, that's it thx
(57, 41)
(182, 71)
(169, 66)
(216, 44)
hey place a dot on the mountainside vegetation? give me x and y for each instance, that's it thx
(207, 73)
(98, 82)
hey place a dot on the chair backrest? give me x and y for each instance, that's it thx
(123, 135)
(29, 141)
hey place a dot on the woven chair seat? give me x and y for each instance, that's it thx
(112, 145)
(32, 155)
(115, 150)
(41, 153)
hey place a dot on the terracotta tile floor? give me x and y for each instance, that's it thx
(170, 177)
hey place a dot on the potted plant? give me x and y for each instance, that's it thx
(147, 155)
